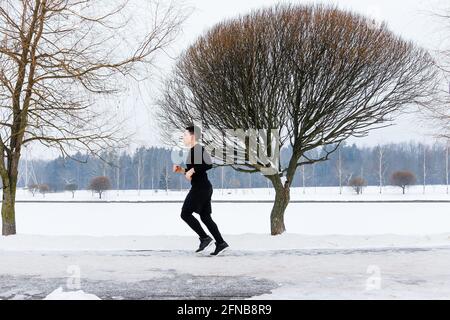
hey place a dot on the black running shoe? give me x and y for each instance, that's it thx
(204, 243)
(220, 247)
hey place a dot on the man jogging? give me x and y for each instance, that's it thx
(199, 197)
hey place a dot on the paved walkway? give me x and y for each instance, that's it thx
(390, 273)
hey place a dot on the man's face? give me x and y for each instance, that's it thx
(188, 138)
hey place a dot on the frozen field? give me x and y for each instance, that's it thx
(101, 219)
(162, 218)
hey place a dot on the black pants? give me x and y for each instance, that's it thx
(199, 201)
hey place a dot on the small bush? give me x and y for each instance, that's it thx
(43, 189)
(403, 179)
(100, 185)
(357, 184)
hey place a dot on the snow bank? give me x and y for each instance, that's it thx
(59, 294)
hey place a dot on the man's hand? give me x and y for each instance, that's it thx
(177, 169)
(189, 174)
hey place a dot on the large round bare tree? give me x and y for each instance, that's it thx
(316, 74)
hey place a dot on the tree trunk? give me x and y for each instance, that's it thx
(282, 197)
(8, 208)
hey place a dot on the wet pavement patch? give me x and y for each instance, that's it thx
(175, 286)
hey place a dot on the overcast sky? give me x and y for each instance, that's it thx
(411, 19)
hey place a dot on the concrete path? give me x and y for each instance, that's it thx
(387, 273)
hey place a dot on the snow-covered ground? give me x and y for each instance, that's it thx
(60, 294)
(145, 251)
(432, 192)
(102, 219)
(162, 218)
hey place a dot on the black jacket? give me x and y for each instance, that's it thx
(201, 161)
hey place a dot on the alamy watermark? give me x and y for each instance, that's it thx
(257, 148)
(74, 279)
(373, 282)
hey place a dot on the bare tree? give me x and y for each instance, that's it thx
(403, 179)
(140, 169)
(303, 179)
(72, 187)
(165, 177)
(120, 170)
(313, 73)
(381, 166)
(58, 58)
(222, 178)
(446, 162)
(424, 167)
(153, 180)
(339, 170)
(100, 185)
(444, 17)
(180, 181)
(313, 176)
(436, 115)
(33, 188)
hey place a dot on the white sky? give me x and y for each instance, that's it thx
(411, 19)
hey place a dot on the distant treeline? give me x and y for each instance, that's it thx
(151, 168)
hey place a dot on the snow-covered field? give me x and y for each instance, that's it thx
(162, 218)
(145, 251)
(149, 219)
(372, 193)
